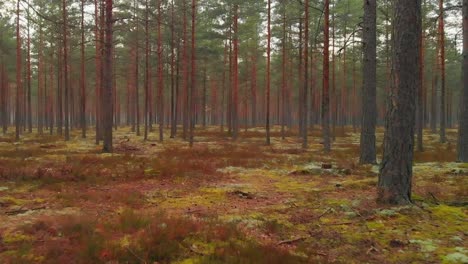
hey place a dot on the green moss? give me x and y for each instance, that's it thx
(449, 213)
(375, 225)
(15, 237)
(455, 257)
(10, 200)
(427, 245)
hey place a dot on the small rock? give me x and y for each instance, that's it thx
(347, 172)
(327, 166)
(397, 243)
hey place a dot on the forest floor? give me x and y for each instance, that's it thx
(223, 202)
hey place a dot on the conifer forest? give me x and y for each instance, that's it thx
(233, 131)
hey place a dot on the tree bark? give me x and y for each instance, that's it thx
(235, 77)
(82, 75)
(326, 80)
(463, 126)
(306, 77)
(194, 80)
(18, 74)
(107, 98)
(441, 34)
(28, 79)
(160, 77)
(395, 178)
(268, 75)
(369, 85)
(65, 71)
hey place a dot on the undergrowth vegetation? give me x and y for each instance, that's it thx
(223, 202)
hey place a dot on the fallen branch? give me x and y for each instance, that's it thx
(435, 198)
(290, 241)
(324, 213)
(22, 211)
(343, 223)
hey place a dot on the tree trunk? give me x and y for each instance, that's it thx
(369, 85)
(283, 75)
(441, 34)
(65, 71)
(394, 186)
(185, 69)
(147, 71)
(463, 127)
(28, 79)
(160, 77)
(268, 75)
(18, 74)
(306, 77)
(98, 72)
(235, 77)
(82, 76)
(193, 80)
(137, 75)
(419, 97)
(173, 92)
(107, 101)
(326, 79)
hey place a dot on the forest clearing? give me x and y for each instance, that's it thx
(223, 202)
(233, 131)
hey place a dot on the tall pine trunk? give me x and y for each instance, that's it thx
(306, 78)
(65, 71)
(193, 77)
(160, 77)
(82, 75)
(441, 35)
(395, 178)
(326, 80)
(235, 77)
(268, 75)
(369, 85)
(107, 98)
(463, 127)
(18, 74)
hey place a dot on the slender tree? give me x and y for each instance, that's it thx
(235, 75)
(306, 75)
(18, 73)
(160, 76)
(147, 71)
(326, 79)
(97, 62)
(65, 70)
(193, 77)
(82, 74)
(283, 74)
(395, 178)
(369, 86)
(107, 101)
(28, 73)
(441, 45)
(268, 75)
(463, 127)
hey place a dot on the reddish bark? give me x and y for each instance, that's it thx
(235, 77)
(268, 75)
(193, 79)
(326, 78)
(107, 97)
(160, 76)
(18, 74)
(82, 75)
